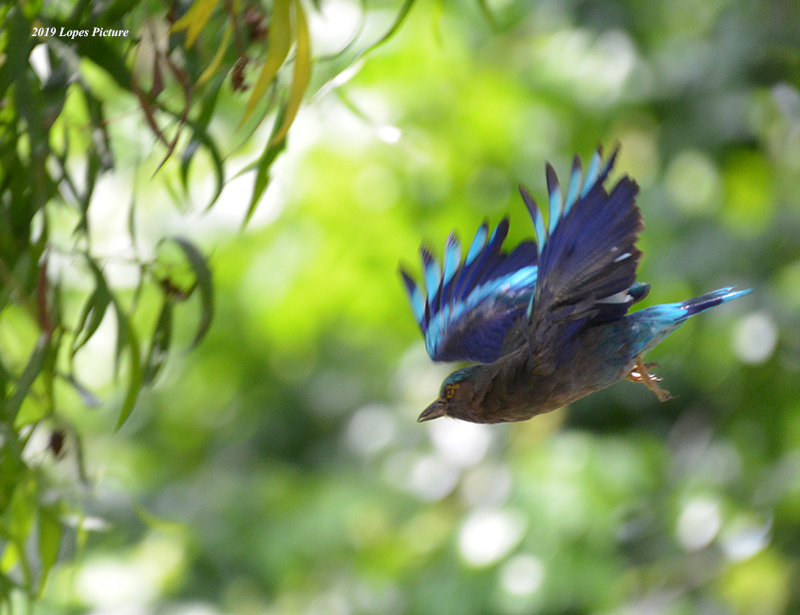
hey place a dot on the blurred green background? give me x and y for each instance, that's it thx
(278, 468)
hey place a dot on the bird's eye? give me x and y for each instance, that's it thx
(450, 391)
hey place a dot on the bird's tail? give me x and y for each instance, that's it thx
(703, 302)
(657, 322)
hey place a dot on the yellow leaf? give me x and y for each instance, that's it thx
(280, 40)
(10, 557)
(195, 19)
(302, 74)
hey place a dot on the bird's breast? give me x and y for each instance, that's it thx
(519, 390)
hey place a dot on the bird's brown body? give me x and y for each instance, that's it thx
(516, 387)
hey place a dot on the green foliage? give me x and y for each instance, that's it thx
(278, 468)
(56, 146)
(64, 90)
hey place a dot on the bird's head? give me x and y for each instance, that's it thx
(455, 396)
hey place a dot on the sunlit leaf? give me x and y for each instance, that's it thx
(10, 557)
(195, 19)
(302, 74)
(280, 40)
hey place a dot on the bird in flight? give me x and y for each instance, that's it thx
(546, 323)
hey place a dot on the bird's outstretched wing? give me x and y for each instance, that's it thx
(467, 307)
(588, 258)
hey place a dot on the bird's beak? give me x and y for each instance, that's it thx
(434, 411)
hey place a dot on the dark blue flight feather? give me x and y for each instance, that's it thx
(587, 268)
(584, 260)
(468, 307)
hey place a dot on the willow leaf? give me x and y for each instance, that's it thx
(195, 19)
(280, 40)
(302, 74)
(202, 273)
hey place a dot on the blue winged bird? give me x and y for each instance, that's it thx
(547, 322)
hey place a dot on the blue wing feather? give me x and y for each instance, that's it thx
(432, 273)
(591, 174)
(477, 244)
(452, 258)
(587, 268)
(574, 185)
(581, 270)
(468, 308)
(476, 252)
(414, 297)
(554, 192)
(536, 216)
(485, 262)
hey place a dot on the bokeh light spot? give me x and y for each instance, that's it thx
(389, 134)
(693, 182)
(755, 338)
(371, 429)
(111, 584)
(432, 478)
(522, 575)
(487, 536)
(463, 444)
(698, 524)
(744, 539)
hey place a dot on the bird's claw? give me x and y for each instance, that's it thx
(642, 374)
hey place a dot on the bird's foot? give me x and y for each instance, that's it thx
(637, 376)
(641, 373)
